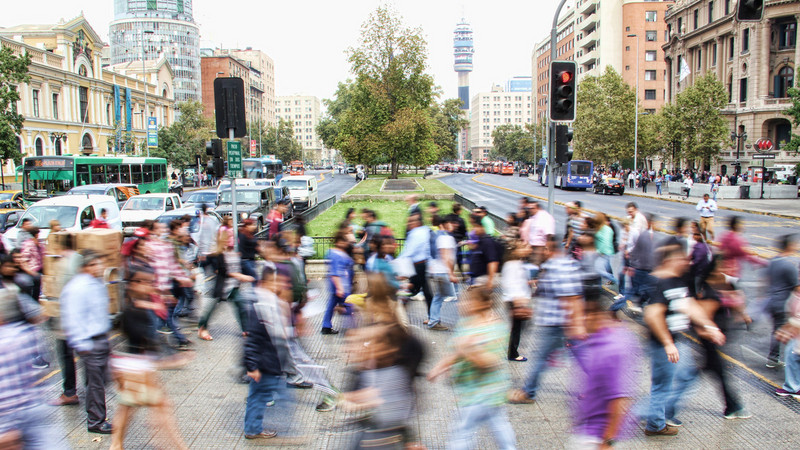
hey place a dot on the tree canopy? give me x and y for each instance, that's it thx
(13, 71)
(513, 142)
(794, 112)
(186, 137)
(278, 141)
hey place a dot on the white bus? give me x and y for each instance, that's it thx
(466, 166)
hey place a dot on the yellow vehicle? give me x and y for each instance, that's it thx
(9, 217)
(11, 200)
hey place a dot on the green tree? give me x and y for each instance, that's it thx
(653, 136)
(388, 110)
(13, 71)
(279, 141)
(449, 119)
(328, 127)
(794, 112)
(604, 122)
(694, 121)
(186, 137)
(512, 142)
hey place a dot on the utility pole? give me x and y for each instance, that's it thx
(551, 187)
(636, 110)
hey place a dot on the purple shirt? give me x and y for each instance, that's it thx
(607, 360)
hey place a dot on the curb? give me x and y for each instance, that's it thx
(729, 208)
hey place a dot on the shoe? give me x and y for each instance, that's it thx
(301, 385)
(519, 397)
(674, 423)
(40, 363)
(740, 414)
(771, 364)
(63, 400)
(450, 299)
(164, 330)
(518, 359)
(666, 431)
(439, 327)
(184, 346)
(784, 393)
(326, 405)
(329, 331)
(271, 403)
(104, 428)
(262, 435)
(618, 297)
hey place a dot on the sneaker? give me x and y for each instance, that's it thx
(740, 414)
(327, 404)
(666, 431)
(438, 327)
(771, 364)
(450, 299)
(271, 403)
(164, 330)
(784, 393)
(184, 346)
(674, 423)
(40, 363)
(263, 435)
(329, 331)
(618, 297)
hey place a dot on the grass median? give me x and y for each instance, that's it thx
(373, 187)
(392, 213)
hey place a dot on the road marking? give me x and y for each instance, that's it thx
(53, 373)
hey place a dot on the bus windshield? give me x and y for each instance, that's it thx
(581, 168)
(252, 169)
(42, 215)
(45, 184)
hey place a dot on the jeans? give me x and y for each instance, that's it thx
(270, 387)
(603, 267)
(668, 383)
(442, 288)
(472, 417)
(332, 302)
(715, 364)
(549, 340)
(778, 320)
(238, 304)
(67, 357)
(38, 431)
(641, 282)
(96, 366)
(658, 188)
(249, 268)
(791, 381)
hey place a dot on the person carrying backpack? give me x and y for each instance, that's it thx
(440, 269)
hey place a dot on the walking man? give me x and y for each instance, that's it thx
(707, 207)
(418, 250)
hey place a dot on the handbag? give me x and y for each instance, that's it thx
(137, 380)
(521, 309)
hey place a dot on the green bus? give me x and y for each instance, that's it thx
(48, 176)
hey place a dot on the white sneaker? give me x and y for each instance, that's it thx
(450, 299)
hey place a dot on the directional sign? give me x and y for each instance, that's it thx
(252, 148)
(234, 159)
(152, 132)
(764, 156)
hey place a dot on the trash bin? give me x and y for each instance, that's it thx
(744, 191)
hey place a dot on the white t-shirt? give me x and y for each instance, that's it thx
(514, 279)
(445, 241)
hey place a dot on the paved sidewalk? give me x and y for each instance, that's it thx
(788, 208)
(210, 404)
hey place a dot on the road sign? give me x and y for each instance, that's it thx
(234, 159)
(764, 145)
(152, 132)
(764, 156)
(252, 148)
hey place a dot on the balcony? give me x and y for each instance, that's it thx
(589, 57)
(588, 23)
(589, 39)
(587, 7)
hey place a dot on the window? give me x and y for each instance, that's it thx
(136, 173)
(699, 56)
(650, 55)
(746, 40)
(627, 28)
(783, 81)
(55, 106)
(35, 100)
(680, 25)
(710, 11)
(649, 75)
(650, 36)
(84, 101)
(714, 55)
(39, 147)
(787, 35)
(112, 173)
(649, 94)
(98, 173)
(627, 48)
(743, 90)
(650, 16)
(696, 19)
(730, 49)
(649, 111)
(727, 7)
(627, 67)
(58, 147)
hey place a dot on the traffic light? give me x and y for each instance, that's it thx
(563, 138)
(562, 91)
(214, 148)
(219, 167)
(750, 10)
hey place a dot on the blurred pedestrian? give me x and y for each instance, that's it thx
(340, 280)
(485, 254)
(100, 222)
(418, 250)
(733, 247)
(32, 261)
(515, 279)
(441, 270)
(707, 208)
(782, 281)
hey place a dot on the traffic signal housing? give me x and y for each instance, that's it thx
(214, 148)
(563, 138)
(750, 10)
(562, 91)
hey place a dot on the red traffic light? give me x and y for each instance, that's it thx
(566, 77)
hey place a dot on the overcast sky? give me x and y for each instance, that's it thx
(307, 39)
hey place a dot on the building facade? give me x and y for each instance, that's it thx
(146, 29)
(643, 65)
(565, 51)
(463, 50)
(492, 109)
(262, 79)
(303, 111)
(756, 61)
(212, 67)
(598, 36)
(72, 105)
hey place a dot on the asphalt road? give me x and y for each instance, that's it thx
(337, 184)
(746, 347)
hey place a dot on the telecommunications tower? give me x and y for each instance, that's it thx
(462, 53)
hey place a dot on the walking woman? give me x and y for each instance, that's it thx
(517, 295)
(733, 247)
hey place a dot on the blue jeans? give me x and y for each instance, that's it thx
(603, 267)
(549, 340)
(249, 268)
(658, 188)
(668, 383)
(442, 288)
(792, 371)
(332, 302)
(472, 417)
(37, 431)
(270, 387)
(641, 282)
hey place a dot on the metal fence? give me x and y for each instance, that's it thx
(308, 215)
(499, 222)
(322, 244)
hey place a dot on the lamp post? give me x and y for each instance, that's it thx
(636, 120)
(145, 116)
(738, 139)
(56, 136)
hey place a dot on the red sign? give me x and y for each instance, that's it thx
(252, 148)
(763, 145)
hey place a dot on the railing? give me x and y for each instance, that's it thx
(322, 244)
(499, 222)
(308, 215)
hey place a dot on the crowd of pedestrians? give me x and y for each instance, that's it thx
(574, 286)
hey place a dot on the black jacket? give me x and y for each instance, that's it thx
(259, 352)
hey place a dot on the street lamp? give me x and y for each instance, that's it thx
(636, 120)
(56, 136)
(739, 139)
(144, 86)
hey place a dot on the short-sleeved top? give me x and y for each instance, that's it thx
(340, 264)
(674, 294)
(782, 274)
(482, 387)
(480, 257)
(444, 241)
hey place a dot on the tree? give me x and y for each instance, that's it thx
(654, 137)
(328, 127)
(604, 122)
(181, 141)
(449, 120)
(279, 141)
(794, 112)
(387, 116)
(512, 142)
(694, 122)
(13, 71)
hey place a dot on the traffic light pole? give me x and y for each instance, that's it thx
(233, 203)
(551, 157)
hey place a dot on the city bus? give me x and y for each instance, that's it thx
(466, 166)
(507, 168)
(296, 168)
(541, 171)
(266, 167)
(48, 176)
(574, 175)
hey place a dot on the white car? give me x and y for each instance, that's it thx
(73, 213)
(226, 183)
(147, 207)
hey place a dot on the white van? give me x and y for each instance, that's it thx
(303, 189)
(73, 213)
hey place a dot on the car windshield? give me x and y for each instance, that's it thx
(76, 191)
(202, 197)
(294, 184)
(6, 195)
(42, 215)
(144, 204)
(241, 197)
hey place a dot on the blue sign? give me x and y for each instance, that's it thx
(152, 132)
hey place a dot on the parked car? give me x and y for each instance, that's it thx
(226, 183)
(120, 192)
(147, 207)
(251, 203)
(282, 192)
(197, 198)
(350, 169)
(73, 212)
(609, 186)
(9, 217)
(268, 182)
(303, 190)
(194, 225)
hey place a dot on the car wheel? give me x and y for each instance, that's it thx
(259, 225)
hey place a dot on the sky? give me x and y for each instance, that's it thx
(307, 39)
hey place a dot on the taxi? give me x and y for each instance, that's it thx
(9, 217)
(11, 200)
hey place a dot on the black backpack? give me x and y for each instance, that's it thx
(615, 238)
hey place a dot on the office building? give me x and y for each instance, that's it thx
(212, 67)
(262, 80)
(303, 111)
(646, 31)
(492, 109)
